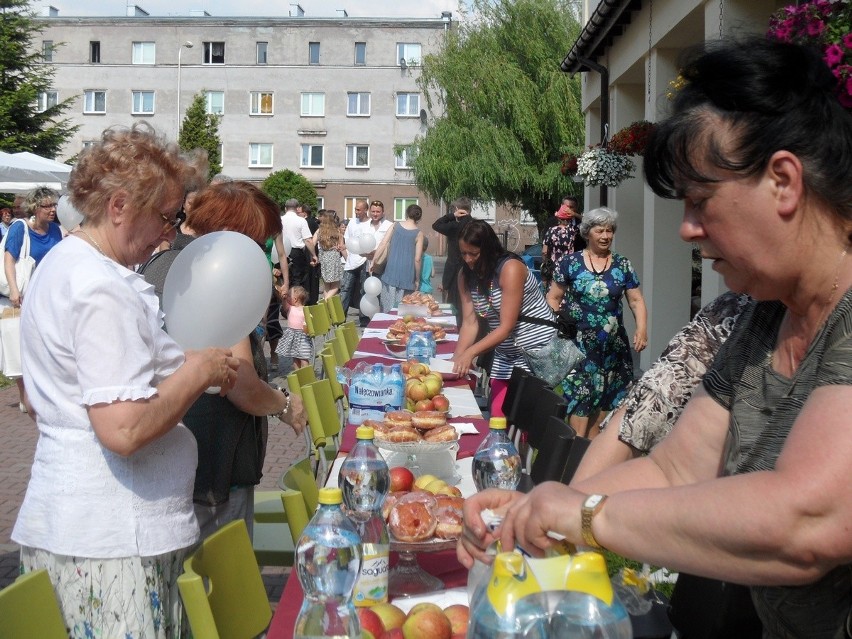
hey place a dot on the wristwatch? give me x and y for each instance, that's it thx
(591, 507)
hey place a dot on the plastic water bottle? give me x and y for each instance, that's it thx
(396, 380)
(496, 463)
(365, 480)
(374, 391)
(589, 609)
(421, 346)
(328, 560)
(496, 611)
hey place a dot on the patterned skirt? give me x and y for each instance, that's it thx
(296, 344)
(131, 598)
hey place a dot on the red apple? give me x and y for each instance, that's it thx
(417, 391)
(424, 404)
(441, 403)
(401, 479)
(427, 623)
(459, 616)
(392, 617)
(370, 621)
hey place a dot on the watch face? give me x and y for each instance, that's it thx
(593, 500)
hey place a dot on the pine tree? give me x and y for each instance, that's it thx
(200, 130)
(23, 77)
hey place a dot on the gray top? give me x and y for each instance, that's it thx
(399, 271)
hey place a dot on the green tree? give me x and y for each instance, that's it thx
(508, 113)
(23, 78)
(200, 130)
(285, 184)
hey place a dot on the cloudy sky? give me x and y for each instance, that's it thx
(272, 8)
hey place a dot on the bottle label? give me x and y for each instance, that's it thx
(372, 585)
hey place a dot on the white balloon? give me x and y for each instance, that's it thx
(369, 305)
(287, 246)
(373, 286)
(353, 245)
(216, 291)
(367, 242)
(68, 216)
(274, 254)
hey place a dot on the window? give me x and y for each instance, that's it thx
(88, 143)
(399, 206)
(360, 53)
(47, 50)
(46, 99)
(94, 102)
(260, 154)
(143, 52)
(143, 103)
(313, 52)
(214, 53)
(349, 205)
(408, 54)
(313, 104)
(215, 102)
(261, 52)
(311, 156)
(261, 103)
(358, 104)
(407, 105)
(95, 52)
(404, 156)
(357, 156)
(320, 203)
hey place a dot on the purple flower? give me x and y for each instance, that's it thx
(847, 41)
(815, 28)
(833, 55)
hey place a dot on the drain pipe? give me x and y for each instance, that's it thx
(604, 74)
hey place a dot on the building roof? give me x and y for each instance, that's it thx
(608, 21)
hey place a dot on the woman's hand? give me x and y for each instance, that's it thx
(462, 362)
(16, 298)
(640, 340)
(218, 367)
(551, 507)
(476, 537)
(296, 416)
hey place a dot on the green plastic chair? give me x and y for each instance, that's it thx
(317, 320)
(336, 312)
(329, 364)
(350, 332)
(29, 609)
(233, 604)
(322, 413)
(300, 496)
(340, 334)
(341, 353)
(299, 377)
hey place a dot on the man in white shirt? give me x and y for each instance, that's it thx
(295, 230)
(354, 268)
(378, 227)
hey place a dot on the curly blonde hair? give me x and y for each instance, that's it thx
(140, 162)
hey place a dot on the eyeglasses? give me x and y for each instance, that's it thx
(180, 218)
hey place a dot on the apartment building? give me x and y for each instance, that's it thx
(333, 98)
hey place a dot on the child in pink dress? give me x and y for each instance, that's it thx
(295, 341)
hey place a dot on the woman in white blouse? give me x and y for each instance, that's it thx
(108, 510)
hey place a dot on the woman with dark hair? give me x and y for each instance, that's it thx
(496, 285)
(231, 429)
(752, 484)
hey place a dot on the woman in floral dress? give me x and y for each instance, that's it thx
(558, 240)
(595, 280)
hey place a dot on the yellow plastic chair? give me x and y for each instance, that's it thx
(221, 587)
(300, 496)
(29, 609)
(299, 377)
(350, 332)
(336, 312)
(322, 413)
(340, 334)
(341, 354)
(329, 364)
(319, 323)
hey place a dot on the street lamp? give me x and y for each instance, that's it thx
(185, 45)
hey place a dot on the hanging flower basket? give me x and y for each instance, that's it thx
(601, 167)
(633, 139)
(826, 25)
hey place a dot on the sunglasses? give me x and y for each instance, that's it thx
(180, 218)
(377, 203)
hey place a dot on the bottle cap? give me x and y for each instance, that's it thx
(364, 432)
(329, 496)
(497, 423)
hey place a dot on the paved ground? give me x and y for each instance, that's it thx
(17, 444)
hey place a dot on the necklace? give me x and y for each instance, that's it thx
(92, 240)
(592, 264)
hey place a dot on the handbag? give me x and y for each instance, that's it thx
(553, 361)
(23, 267)
(10, 342)
(702, 608)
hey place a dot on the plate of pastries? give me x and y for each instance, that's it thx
(405, 431)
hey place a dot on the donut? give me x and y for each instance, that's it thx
(400, 435)
(428, 419)
(411, 521)
(420, 496)
(445, 433)
(377, 426)
(390, 500)
(398, 418)
(450, 522)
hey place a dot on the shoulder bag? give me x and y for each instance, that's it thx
(553, 361)
(23, 267)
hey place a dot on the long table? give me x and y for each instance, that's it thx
(463, 409)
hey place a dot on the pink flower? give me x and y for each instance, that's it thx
(816, 27)
(833, 55)
(847, 41)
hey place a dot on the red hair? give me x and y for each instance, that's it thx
(235, 206)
